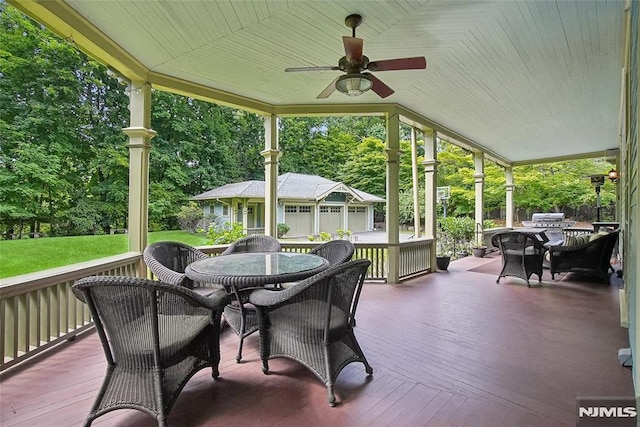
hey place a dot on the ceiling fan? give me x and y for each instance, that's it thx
(355, 82)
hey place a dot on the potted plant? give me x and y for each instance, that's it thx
(479, 249)
(444, 249)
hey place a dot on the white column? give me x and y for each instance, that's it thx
(508, 172)
(245, 215)
(392, 152)
(478, 159)
(271, 156)
(140, 134)
(416, 184)
(430, 188)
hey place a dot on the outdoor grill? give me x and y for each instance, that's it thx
(554, 222)
(548, 220)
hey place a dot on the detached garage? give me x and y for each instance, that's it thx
(308, 204)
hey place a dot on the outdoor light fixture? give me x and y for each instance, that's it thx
(354, 84)
(597, 181)
(613, 175)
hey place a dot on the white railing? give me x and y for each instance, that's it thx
(39, 310)
(415, 257)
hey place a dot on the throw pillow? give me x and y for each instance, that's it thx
(597, 235)
(571, 241)
(585, 238)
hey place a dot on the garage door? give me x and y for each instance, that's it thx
(330, 218)
(299, 219)
(357, 218)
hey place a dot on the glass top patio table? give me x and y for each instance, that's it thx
(256, 268)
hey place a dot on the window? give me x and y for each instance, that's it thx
(358, 209)
(250, 210)
(225, 210)
(324, 209)
(336, 209)
(290, 209)
(304, 209)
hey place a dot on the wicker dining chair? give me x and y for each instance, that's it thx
(167, 261)
(240, 315)
(522, 255)
(312, 322)
(155, 336)
(335, 251)
(254, 243)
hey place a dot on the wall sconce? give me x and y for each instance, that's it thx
(613, 175)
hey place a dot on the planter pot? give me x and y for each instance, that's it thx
(442, 262)
(479, 252)
(462, 254)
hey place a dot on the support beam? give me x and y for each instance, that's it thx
(140, 134)
(416, 184)
(508, 172)
(271, 156)
(478, 160)
(392, 151)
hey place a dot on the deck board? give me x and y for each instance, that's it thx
(447, 349)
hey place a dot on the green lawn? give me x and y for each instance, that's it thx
(29, 255)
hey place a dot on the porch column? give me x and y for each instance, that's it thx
(140, 134)
(430, 192)
(416, 184)
(392, 151)
(271, 156)
(430, 185)
(478, 159)
(508, 172)
(245, 215)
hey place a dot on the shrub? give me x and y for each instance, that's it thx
(282, 229)
(341, 232)
(191, 218)
(324, 236)
(220, 234)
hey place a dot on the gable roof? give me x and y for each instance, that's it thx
(293, 186)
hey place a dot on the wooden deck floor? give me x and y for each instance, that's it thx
(448, 349)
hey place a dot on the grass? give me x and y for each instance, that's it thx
(30, 255)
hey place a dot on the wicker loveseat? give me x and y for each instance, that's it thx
(592, 256)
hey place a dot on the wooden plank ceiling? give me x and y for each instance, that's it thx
(527, 79)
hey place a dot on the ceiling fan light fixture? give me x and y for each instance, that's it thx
(354, 84)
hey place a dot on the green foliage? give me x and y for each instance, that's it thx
(192, 219)
(282, 229)
(220, 234)
(324, 236)
(342, 233)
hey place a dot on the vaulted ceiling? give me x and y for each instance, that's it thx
(527, 80)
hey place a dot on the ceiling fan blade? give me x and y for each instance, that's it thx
(416, 63)
(328, 90)
(353, 48)
(322, 68)
(380, 88)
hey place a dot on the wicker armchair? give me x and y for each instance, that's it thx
(522, 255)
(335, 251)
(593, 257)
(167, 261)
(312, 322)
(254, 243)
(240, 315)
(155, 336)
